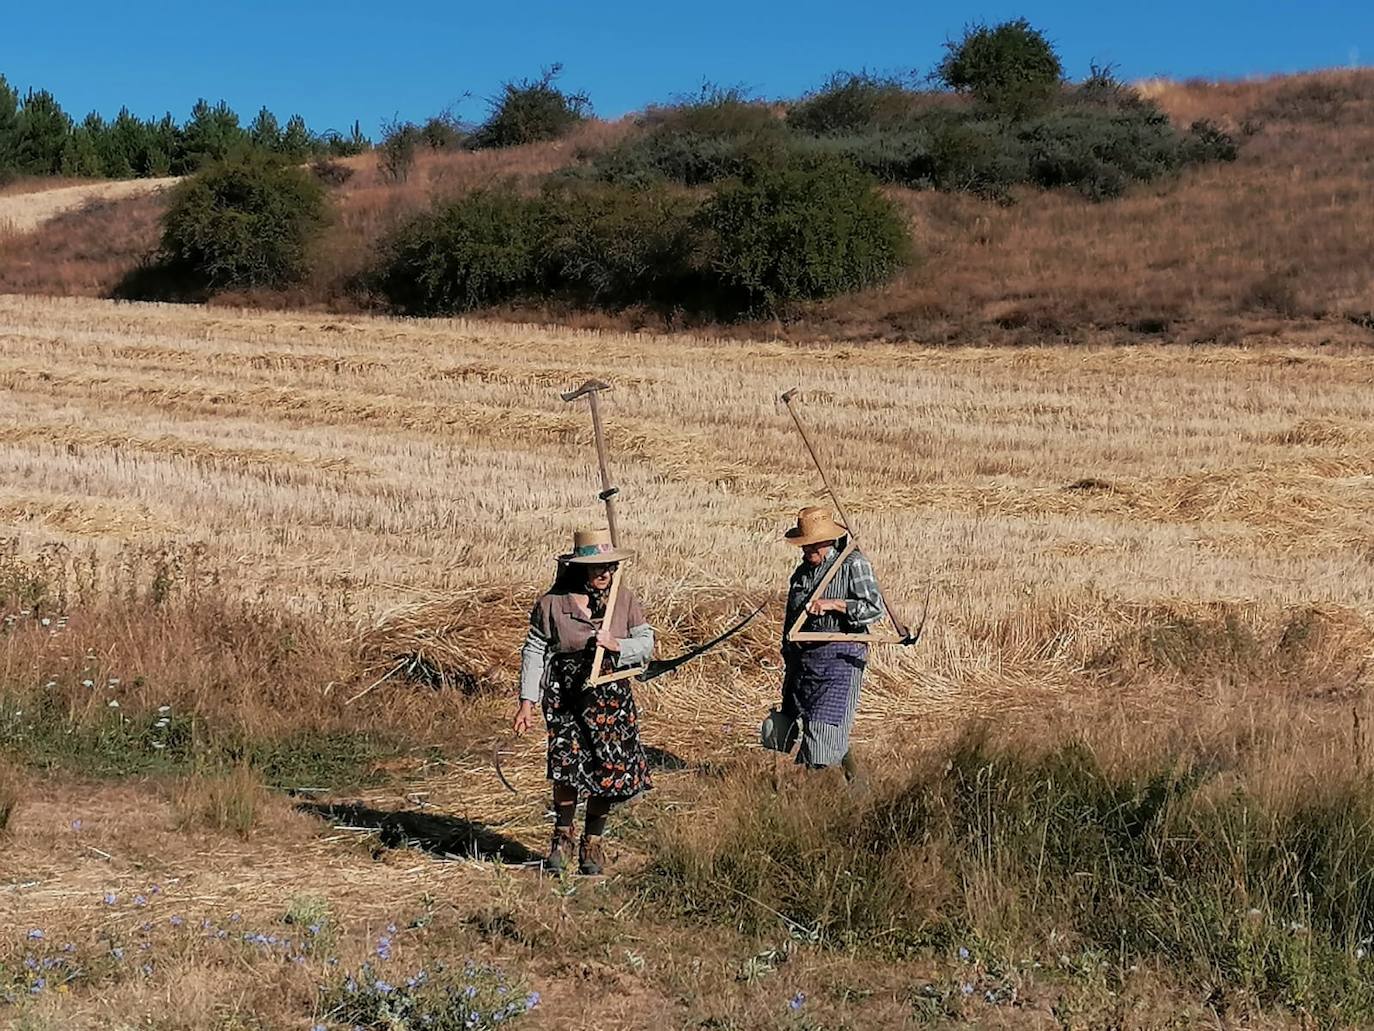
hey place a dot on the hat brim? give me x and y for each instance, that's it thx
(833, 532)
(601, 558)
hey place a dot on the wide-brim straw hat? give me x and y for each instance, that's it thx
(814, 525)
(594, 548)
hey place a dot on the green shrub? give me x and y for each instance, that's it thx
(248, 222)
(850, 103)
(719, 135)
(1011, 67)
(614, 245)
(1207, 141)
(396, 154)
(806, 230)
(476, 251)
(530, 111)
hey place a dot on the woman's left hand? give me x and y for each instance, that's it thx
(608, 640)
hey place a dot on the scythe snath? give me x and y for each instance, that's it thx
(904, 634)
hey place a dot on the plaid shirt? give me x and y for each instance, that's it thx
(855, 583)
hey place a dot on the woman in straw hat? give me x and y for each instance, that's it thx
(594, 747)
(822, 679)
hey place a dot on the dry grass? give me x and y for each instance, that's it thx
(1156, 544)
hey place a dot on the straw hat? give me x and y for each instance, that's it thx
(815, 524)
(594, 548)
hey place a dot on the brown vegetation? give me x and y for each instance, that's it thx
(1271, 247)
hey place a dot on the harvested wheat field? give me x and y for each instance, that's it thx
(313, 542)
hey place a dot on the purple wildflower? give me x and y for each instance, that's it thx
(38, 986)
(176, 921)
(963, 953)
(117, 953)
(140, 900)
(532, 1000)
(111, 898)
(76, 825)
(383, 987)
(797, 1002)
(35, 935)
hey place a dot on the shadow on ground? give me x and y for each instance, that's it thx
(449, 837)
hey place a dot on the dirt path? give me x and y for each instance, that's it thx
(25, 212)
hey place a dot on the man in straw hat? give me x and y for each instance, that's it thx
(822, 679)
(594, 747)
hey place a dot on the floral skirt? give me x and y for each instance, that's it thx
(593, 731)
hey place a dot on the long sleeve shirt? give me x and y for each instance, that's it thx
(556, 625)
(854, 583)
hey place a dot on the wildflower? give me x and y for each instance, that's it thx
(38, 986)
(156, 889)
(1359, 952)
(176, 921)
(35, 935)
(531, 1001)
(319, 1027)
(797, 1002)
(470, 992)
(112, 704)
(963, 953)
(382, 987)
(76, 825)
(30, 963)
(111, 898)
(140, 900)
(45, 621)
(147, 970)
(68, 947)
(234, 918)
(384, 948)
(390, 928)
(966, 988)
(313, 930)
(117, 953)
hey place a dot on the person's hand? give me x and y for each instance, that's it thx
(609, 641)
(820, 605)
(524, 718)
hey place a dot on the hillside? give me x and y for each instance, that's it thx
(1273, 247)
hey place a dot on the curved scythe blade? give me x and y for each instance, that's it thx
(496, 762)
(913, 636)
(661, 666)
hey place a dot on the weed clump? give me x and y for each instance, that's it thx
(1267, 898)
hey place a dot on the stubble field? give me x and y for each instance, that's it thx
(1139, 548)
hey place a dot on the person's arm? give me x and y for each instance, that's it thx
(534, 656)
(863, 604)
(636, 649)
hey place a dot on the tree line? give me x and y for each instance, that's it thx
(39, 138)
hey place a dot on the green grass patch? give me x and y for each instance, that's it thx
(1176, 864)
(46, 731)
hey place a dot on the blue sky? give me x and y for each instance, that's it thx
(333, 62)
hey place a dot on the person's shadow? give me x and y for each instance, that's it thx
(449, 837)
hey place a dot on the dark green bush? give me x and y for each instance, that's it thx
(802, 231)
(614, 245)
(1010, 67)
(469, 253)
(852, 104)
(530, 111)
(718, 135)
(246, 222)
(1207, 141)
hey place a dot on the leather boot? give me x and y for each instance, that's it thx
(591, 856)
(561, 849)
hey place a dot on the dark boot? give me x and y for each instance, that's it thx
(591, 856)
(854, 773)
(561, 849)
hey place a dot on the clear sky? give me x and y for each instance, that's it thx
(336, 61)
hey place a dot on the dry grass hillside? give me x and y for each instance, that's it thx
(1273, 247)
(284, 524)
